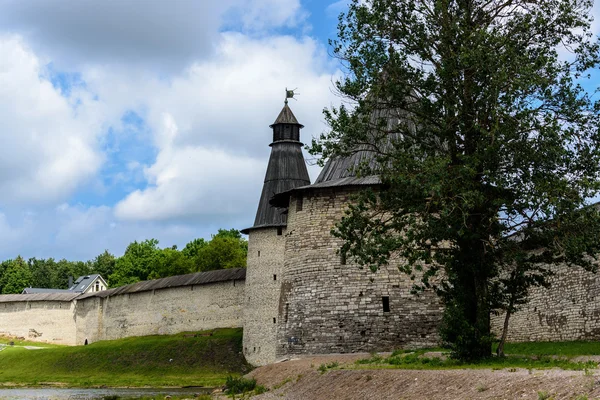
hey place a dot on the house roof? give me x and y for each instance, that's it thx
(83, 283)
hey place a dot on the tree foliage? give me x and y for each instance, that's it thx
(141, 261)
(486, 145)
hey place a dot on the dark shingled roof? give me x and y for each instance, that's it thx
(342, 171)
(11, 298)
(198, 278)
(340, 168)
(31, 290)
(286, 170)
(286, 116)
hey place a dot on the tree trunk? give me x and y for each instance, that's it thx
(482, 319)
(500, 350)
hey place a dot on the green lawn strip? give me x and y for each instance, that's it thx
(176, 360)
(7, 340)
(578, 348)
(533, 355)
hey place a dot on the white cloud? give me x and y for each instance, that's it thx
(206, 99)
(211, 125)
(48, 147)
(192, 182)
(79, 232)
(153, 32)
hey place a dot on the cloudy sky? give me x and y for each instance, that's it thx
(124, 120)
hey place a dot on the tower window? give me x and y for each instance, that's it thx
(259, 253)
(299, 203)
(343, 258)
(279, 231)
(385, 300)
(274, 277)
(274, 320)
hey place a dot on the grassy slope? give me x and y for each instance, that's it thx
(137, 361)
(534, 355)
(554, 348)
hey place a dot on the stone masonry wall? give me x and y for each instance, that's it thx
(90, 316)
(161, 312)
(263, 284)
(568, 310)
(39, 321)
(327, 307)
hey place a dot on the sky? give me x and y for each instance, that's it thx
(129, 120)
(125, 120)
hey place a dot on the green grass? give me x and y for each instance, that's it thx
(554, 348)
(6, 340)
(157, 361)
(535, 355)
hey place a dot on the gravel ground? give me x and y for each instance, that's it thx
(300, 379)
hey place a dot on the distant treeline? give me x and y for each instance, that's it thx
(141, 261)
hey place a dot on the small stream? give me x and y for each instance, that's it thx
(81, 394)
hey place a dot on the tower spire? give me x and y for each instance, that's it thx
(286, 169)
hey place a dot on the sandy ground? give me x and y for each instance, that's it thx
(300, 379)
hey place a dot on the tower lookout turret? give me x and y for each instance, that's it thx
(286, 170)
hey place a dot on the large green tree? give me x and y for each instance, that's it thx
(16, 276)
(486, 145)
(226, 249)
(135, 265)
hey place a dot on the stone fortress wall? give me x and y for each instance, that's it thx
(328, 305)
(39, 318)
(165, 306)
(263, 282)
(568, 310)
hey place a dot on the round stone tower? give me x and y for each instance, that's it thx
(327, 303)
(286, 170)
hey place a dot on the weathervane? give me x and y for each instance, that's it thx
(289, 94)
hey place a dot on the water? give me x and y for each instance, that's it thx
(84, 394)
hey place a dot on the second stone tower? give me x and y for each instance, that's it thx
(266, 242)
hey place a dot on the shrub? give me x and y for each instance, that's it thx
(239, 385)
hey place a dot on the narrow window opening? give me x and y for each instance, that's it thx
(274, 277)
(279, 231)
(343, 258)
(274, 320)
(287, 310)
(385, 300)
(259, 253)
(299, 203)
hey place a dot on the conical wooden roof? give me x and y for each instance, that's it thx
(286, 170)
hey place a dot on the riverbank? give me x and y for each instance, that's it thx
(536, 370)
(186, 359)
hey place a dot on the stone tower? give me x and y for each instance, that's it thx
(266, 242)
(327, 303)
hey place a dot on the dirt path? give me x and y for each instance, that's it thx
(300, 379)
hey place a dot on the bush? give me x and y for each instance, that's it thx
(239, 385)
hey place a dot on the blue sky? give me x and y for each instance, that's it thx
(123, 123)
